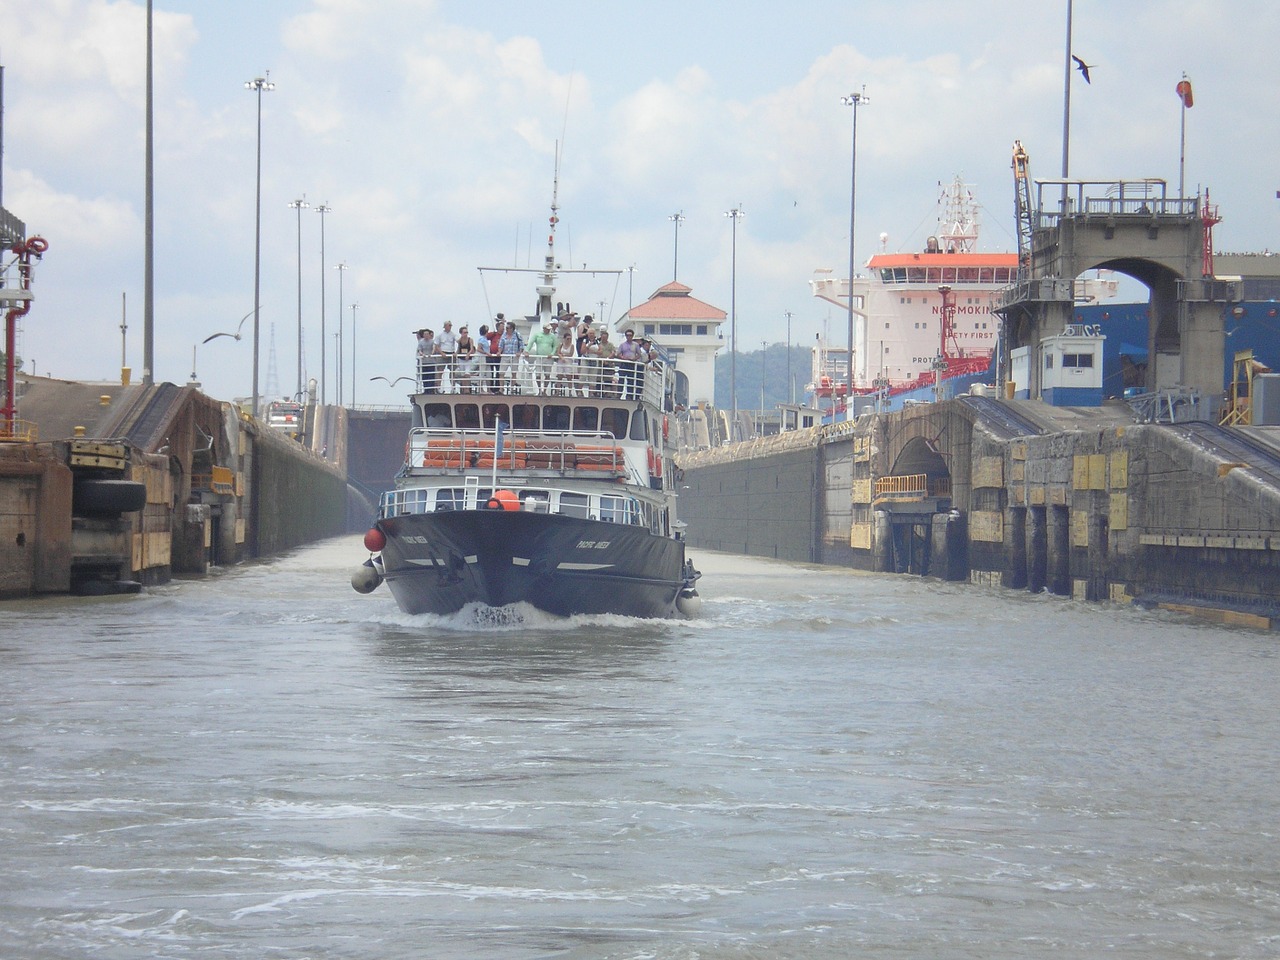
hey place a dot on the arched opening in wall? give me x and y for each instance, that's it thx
(917, 490)
(1138, 313)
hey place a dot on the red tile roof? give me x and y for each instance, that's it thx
(673, 302)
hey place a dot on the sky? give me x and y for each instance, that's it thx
(432, 128)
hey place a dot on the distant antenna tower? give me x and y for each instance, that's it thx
(273, 380)
(958, 221)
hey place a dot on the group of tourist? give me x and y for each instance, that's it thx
(487, 363)
(569, 357)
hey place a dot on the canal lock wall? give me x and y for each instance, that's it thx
(1115, 511)
(201, 485)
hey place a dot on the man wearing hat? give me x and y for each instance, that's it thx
(540, 349)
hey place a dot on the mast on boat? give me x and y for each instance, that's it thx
(547, 289)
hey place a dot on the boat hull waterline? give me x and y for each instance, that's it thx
(440, 562)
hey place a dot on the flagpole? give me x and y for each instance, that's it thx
(497, 452)
(1183, 90)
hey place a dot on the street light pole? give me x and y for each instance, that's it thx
(791, 387)
(257, 85)
(764, 353)
(149, 233)
(677, 218)
(322, 209)
(735, 215)
(852, 100)
(299, 205)
(341, 268)
(354, 308)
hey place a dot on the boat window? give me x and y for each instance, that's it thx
(1077, 359)
(450, 499)
(555, 416)
(438, 414)
(535, 501)
(574, 505)
(525, 416)
(614, 509)
(467, 416)
(492, 412)
(614, 420)
(637, 427)
(586, 418)
(397, 503)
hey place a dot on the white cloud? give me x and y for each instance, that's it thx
(432, 131)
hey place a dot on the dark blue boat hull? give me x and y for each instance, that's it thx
(439, 562)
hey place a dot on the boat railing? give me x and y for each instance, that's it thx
(546, 376)
(575, 452)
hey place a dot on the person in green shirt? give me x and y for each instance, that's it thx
(540, 349)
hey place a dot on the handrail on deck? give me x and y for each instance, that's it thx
(560, 450)
(18, 431)
(537, 376)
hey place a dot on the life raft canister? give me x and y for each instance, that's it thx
(503, 500)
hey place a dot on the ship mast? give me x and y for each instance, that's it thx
(547, 289)
(958, 223)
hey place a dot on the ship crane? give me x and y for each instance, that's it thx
(1022, 204)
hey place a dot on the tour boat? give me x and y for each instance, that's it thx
(552, 488)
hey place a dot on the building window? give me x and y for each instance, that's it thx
(1077, 359)
(702, 329)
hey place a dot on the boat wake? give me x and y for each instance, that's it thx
(515, 617)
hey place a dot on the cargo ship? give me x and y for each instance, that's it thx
(924, 326)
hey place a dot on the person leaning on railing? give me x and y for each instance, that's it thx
(428, 362)
(540, 351)
(608, 365)
(628, 355)
(447, 350)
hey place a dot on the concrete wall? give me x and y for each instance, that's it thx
(768, 506)
(296, 498)
(1136, 512)
(35, 520)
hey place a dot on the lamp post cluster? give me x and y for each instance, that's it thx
(260, 85)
